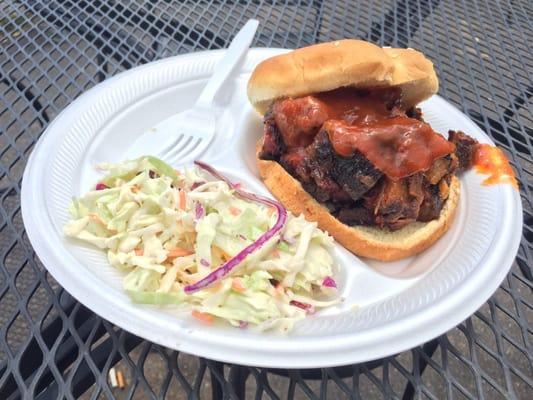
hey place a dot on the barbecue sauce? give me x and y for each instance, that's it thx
(397, 146)
(367, 121)
(300, 119)
(490, 160)
(360, 107)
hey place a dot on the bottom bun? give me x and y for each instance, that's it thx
(365, 241)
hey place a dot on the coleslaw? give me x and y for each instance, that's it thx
(182, 238)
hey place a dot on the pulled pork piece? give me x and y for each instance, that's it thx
(434, 199)
(440, 168)
(465, 149)
(396, 203)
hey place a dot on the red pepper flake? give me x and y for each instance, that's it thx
(101, 186)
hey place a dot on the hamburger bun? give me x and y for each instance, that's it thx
(359, 64)
(379, 244)
(354, 63)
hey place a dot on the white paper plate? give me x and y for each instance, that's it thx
(401, 304)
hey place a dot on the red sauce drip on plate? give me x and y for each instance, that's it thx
(490, 160)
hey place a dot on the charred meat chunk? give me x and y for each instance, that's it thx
(315, 179)
(300, 119)
(415, 112)
(296, 162)
(355, 215)
(465, 149)
(273, 145)
(337, 144)
(355, 174)
(432, 205)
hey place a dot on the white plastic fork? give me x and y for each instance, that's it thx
(183, 137)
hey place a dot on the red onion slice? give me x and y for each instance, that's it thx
(329, 282)
(304, 306)
(226, 268)
(197, 184)
(199, 211)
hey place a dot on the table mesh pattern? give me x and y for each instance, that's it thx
(51, 51)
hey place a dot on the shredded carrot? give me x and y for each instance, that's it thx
(234, 210)
(205, 318)
(183, 200)
(139, 252)
(238, 285)
(179, 252)
(96, 218)
(135, 188)
(216, 287)
(222, 253)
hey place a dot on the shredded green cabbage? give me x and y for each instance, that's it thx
(167, 229)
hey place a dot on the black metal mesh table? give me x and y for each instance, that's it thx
(51, 51)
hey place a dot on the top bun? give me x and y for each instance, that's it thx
(327, 66)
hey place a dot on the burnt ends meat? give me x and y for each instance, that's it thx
(367, 160)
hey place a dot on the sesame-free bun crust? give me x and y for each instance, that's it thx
(354, 63)
(371, 242)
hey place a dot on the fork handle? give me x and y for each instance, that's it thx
(233, 55)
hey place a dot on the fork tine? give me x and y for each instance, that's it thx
(184, 145)
(169, 152)
(185, 151)
(175, 144)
